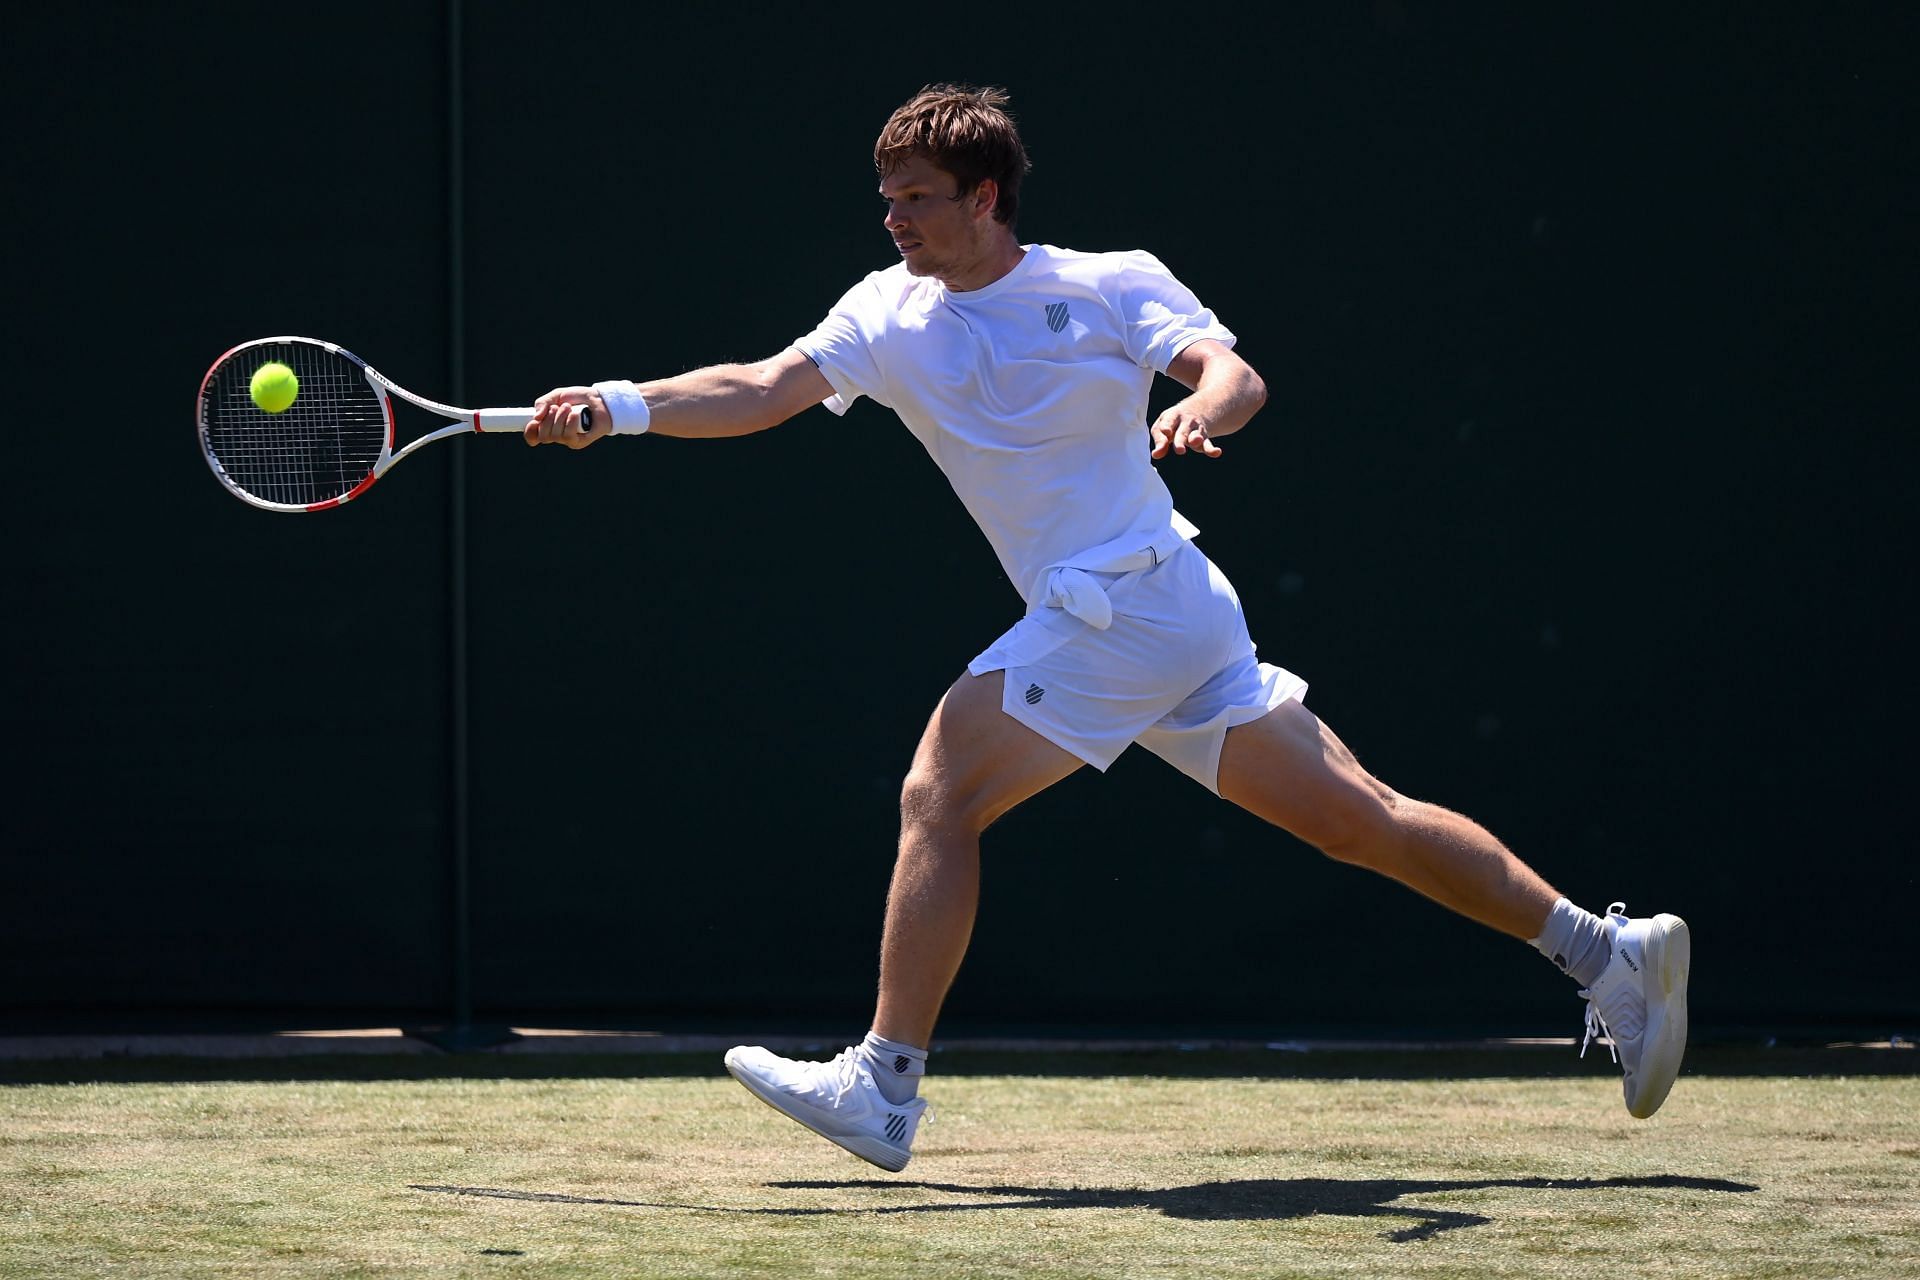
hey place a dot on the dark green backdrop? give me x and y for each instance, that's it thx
(1581, 501)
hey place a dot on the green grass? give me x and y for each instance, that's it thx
(625, 1168)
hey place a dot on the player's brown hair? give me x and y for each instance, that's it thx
(964, 130)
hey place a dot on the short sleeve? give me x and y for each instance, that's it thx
(1159, 317)
(841, 346)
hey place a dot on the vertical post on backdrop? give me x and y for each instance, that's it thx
(460, 1033)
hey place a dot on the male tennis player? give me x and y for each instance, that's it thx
(1024, 370)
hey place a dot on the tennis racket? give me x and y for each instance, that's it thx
(333, 442)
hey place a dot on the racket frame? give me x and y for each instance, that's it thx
(466, 421)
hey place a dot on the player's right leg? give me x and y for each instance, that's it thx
(973, 764)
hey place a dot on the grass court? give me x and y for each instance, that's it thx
(1461, 1164)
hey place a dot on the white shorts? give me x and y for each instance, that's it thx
(1173, 672)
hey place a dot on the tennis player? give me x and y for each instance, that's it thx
(1024, 369)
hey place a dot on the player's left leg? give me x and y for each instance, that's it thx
(1291, 769)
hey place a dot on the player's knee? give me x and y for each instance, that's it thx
(1359, 825)
(930, 800)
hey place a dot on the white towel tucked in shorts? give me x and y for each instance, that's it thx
(1156, 654)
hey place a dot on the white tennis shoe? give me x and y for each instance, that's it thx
(1638, 1006)
(837, 1100)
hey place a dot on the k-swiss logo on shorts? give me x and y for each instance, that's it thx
(1034, 694)
(1056, 316)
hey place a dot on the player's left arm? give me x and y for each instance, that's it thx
(1226, 394)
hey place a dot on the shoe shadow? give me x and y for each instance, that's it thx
(1278, 1199)
(1274, 1199)
(1240, 1200)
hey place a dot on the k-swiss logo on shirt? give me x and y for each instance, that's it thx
(1034, 694)
(1056, 316)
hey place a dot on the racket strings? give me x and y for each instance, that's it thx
(320, 448)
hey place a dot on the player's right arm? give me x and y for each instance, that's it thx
(720, 400)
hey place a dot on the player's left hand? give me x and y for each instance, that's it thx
(1181, 429)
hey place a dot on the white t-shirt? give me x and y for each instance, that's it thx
(1031, 394)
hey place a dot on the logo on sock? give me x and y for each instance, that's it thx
(900, 1063)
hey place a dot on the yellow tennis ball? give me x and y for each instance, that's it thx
(274, 387)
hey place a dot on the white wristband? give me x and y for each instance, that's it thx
(626, 408)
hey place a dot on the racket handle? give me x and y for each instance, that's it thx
(515, 420)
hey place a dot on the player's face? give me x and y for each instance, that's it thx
(935, 233)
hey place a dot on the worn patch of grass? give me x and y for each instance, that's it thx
(1019, 1175)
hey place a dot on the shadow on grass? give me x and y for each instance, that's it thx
(1241, 1200)
(1343, 1064)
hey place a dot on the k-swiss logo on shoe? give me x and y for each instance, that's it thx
(900, 1063)
(896, 1127)
(1034, 694)
(1056, 316)
(1629, 959)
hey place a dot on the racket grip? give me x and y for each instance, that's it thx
(515, 420)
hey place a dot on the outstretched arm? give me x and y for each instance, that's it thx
(721, 400)
(1226, 393)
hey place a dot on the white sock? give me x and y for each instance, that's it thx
(1577, 941)
(897, 1067)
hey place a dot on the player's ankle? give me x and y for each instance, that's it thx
(897, 1067)
(1578, 942)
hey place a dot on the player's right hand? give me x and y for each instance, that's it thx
(557, 415)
